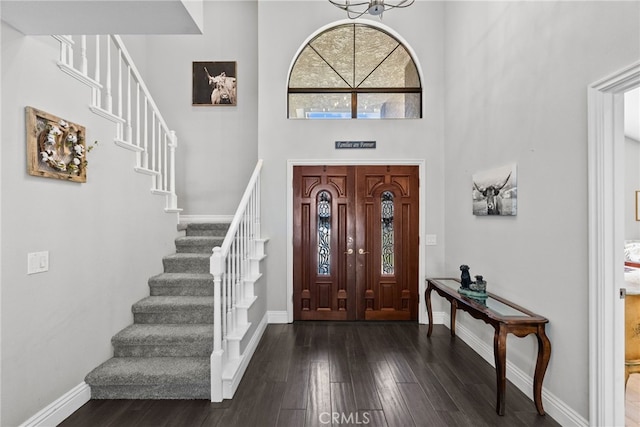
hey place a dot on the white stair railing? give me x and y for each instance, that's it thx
(232, 265)
(119, 94)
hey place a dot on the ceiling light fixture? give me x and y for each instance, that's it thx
(355, 9)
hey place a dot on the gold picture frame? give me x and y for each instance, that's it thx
(637, 205)
(56, 148)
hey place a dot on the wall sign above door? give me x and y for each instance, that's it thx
(355, 144)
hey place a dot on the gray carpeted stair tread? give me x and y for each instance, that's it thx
(187, 263)
(173, 309)
(197, 244)
(159, 334)
(200, 240)
(181, 284)
(151, 370)
(207, 229)
(177, 278)
(154, 304)
(188, 256)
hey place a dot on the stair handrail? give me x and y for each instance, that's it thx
(242, 206)
(163, 143)
(229, 272)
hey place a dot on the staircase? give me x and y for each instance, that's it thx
(166, 353)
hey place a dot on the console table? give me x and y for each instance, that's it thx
(505, 317)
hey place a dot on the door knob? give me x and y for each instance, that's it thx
(349, 252)
(362, 251)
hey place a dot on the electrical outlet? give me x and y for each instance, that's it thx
(37, 262)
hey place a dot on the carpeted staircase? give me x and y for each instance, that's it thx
(165, 354)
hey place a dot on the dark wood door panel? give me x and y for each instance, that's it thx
(322, 222)
(387, 287)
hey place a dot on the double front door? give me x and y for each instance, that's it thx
(355, 240)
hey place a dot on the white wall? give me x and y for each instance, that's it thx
(217, 146)
(281, 139)
(105, 238)
(516, 79)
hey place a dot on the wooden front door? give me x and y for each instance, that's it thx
(355, 241)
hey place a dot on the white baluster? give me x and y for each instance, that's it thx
(129, 136)
(145, 154)
(83, 54)
(96, 93)
(120, 87)
(138, 142)
(153, 141)
(109, 96)
(70, 52)
(158, 151)
(223, 303)
(63, 50)
(165, 169)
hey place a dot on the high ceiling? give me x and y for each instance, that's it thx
(69, 17)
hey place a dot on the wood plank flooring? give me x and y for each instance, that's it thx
(341, 373)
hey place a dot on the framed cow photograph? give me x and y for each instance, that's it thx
(214, 83)
(495, 191)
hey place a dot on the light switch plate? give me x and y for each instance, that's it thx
(37, 262)
(431, 240)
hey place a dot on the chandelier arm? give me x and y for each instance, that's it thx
(400, 5)
(355, 15)
(373, 7)
(346, 6)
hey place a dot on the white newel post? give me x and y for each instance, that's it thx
(172, 198)
(217, 269)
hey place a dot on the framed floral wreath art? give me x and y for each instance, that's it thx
(56, 148)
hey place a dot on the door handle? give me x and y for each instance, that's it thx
(349, 252)
(362, 251)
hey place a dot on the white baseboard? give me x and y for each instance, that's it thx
(556, 408)
(190, 219)
(438, 317)
(231, 382)
(277, 317)
(61, 408)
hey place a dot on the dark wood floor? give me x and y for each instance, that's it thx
(331, 373)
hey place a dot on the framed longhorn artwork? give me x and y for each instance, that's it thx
(214, 83)
(495, 191)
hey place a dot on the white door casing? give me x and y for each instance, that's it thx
(606, 235)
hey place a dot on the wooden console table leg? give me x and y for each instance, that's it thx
(500, 355)
(429, 312)
(544, 354)
(452, 318)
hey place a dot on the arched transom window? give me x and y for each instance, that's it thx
(354, 71)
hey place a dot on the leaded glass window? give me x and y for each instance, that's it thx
(387, 233)
(354, 71)
(324, 233)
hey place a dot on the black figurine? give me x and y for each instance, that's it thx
(465, 277)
